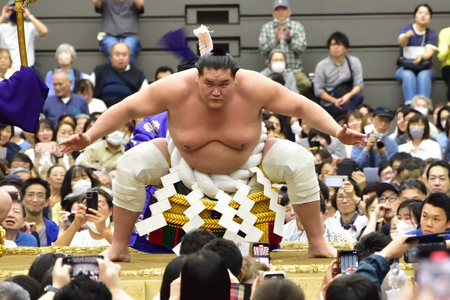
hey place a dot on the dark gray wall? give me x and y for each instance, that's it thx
(372, 27)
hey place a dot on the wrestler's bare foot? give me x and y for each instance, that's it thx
(323, 250)
(117, 255)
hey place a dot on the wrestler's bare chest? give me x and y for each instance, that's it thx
(215, 140)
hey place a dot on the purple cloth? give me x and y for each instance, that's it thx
(176, 42)
(149, 129)
(22, 97)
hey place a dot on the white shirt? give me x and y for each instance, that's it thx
(46, 158)
(9, 40)
(96, 105)
(359, 224)
(84, 239)
(426, 149)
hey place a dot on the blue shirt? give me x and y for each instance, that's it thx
(52, 231)
(54, 107)
(363, 158)
(419, 232)
(25, 240)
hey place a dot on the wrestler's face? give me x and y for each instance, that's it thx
(215, 87)
(120, 57)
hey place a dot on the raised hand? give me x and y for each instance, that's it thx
(76, 142)
(350, 137)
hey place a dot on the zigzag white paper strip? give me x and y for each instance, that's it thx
(195, 223)
(194, 196)
(150, 224)
(171, 178)
(194, 210)
(165, 192)
(248, 222)
(245, 208)
(160, 206)
(254, 235)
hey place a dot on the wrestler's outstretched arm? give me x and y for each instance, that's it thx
(150, 101)
(280, 100)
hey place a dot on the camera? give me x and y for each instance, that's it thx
(380, 142)
(70, 219)
(83, 266)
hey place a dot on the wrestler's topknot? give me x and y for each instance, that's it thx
(217, 59)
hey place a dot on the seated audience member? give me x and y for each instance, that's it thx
(204, 276)
(7, 148)
(388, 203)
(289, 36)
(444, 57)
(230, 254)
(417, 45)
(85, 88)
(120, 23)
(20, 160)
(171, 272)
(278, 289)
(6, 69)
(409, 168)
(277, 64)
(379, 146)
(289, 215)
(352, 287)
(397, 159)
(435, 216)
(104, 178)
(321, 155)
(81, 122)
(371, 203)
(441, 123)
(162, 72)
(107, 151)
(304, 130)
(332, 231)
(63, 131)
(64, 101)
(13, 187)
(46, 150)
(419, 143)
(17, 138)
(438, 180)
(68, 118)
(407, 218)
(251, 272)
(424, 105)
(55, 177)
(100, 231)
(279, 125)
(28, 283)
(77, 180)
(329, 143)
(400, 129)
(385, 172)
(354, 121)
(117, 80)
(424, 168)
(42, 264)
(23, 173)
(194, 241)
(65, 54)
(412, 189)
(35, 197)
(347, 201)
(14, 222)
(338, 79)
(13, 291)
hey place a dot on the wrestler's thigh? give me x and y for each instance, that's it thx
(161, 144)
(268, 144)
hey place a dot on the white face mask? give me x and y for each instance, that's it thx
(403, 227)
(60, 139)
(394, 235)
(81, 187)
(296, 128)
(416, 132)
(93, 227)
(278, 66)
(281, 21)
(422, 110)
(64, 58)
(116, 138)
(443, 123)
(18, 131)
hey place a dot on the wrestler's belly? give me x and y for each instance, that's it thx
(216, 157)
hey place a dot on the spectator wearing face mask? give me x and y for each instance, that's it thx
(419, 143)
(106, 152)
(424, 105)
(277, 64)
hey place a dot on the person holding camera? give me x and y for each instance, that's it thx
(100, 231)
(380, 147)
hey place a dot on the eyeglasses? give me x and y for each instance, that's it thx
(40, 196)
(383, 199)
(341, 198)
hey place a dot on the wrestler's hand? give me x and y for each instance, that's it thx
(350, 137)
(76, 142)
